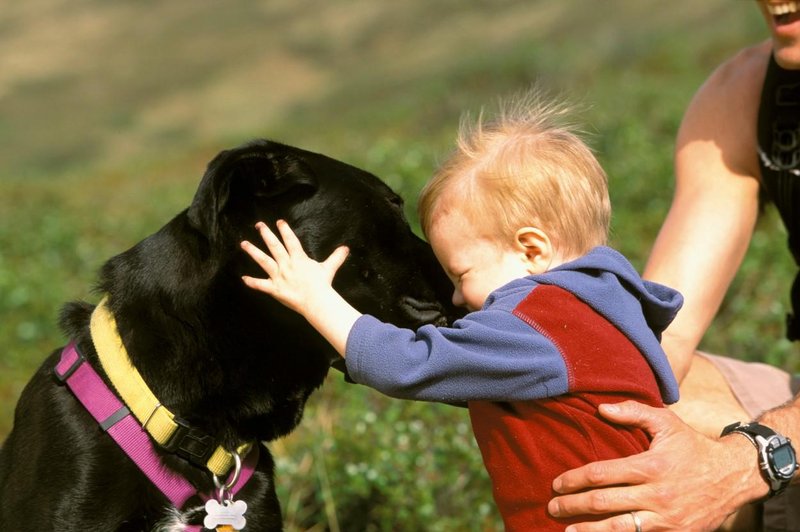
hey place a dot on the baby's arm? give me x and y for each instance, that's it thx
(303, 284)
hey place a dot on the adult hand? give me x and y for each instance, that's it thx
(685, 481)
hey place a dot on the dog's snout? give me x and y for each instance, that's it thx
(423, 312)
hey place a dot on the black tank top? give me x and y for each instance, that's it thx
(779, 159)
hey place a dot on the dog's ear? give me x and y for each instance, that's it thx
(272, 175)
(238, 176)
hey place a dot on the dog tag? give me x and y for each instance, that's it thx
(226, 513)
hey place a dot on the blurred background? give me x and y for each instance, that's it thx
(109, 112)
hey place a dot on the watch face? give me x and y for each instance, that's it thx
(784, 461)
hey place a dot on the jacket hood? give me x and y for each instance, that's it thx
(588, 278)
(640, 309)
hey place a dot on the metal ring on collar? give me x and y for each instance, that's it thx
(237, 470)
(637, 522)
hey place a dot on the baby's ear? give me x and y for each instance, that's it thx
(535, 247)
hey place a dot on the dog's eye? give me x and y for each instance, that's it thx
(366, 274)
(397, 201)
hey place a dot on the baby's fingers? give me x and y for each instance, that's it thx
(290, 240)
(266, 262)
(262, 285)
(336, 259)
(274, 245)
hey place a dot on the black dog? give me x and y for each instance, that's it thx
(234, 364)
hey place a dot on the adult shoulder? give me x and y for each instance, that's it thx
(741, 76)
(724, 111)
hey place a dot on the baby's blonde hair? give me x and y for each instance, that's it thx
(527, 167)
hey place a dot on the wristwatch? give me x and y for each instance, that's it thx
(776, 456)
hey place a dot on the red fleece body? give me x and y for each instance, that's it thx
(526, 444)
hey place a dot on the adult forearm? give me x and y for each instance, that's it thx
(698, 257)
(786, 420)
(702, 242)
(751, 483)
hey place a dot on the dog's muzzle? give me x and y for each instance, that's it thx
(423, 312)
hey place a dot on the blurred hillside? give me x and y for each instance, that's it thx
(87, 83)
(109, 112)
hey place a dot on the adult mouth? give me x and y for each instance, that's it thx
(784, 13)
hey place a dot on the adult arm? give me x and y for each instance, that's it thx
(708, 228)
(668, 486)
(676, 484)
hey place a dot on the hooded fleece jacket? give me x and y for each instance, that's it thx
(532, 366)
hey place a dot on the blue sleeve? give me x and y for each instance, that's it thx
(487, 356)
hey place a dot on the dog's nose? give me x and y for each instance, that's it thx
(423, 312)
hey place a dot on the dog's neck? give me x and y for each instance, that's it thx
(168, 431)
(212, 366)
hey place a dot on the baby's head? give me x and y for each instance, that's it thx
(528, 167)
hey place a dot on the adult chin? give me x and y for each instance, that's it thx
(787, 56)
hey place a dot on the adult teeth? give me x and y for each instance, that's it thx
(782, 9)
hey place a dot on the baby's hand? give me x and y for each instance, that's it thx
(295, 279)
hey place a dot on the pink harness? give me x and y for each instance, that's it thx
(115, 419)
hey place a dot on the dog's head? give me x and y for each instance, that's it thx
(180, 290)
(390, 272)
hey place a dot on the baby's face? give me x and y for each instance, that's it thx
(477, 265)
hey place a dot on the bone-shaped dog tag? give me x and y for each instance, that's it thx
(227, 512)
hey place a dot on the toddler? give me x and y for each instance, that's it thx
(518, 216)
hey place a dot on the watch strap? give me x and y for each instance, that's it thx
(739, 428)
(761, 430)
(751, 431)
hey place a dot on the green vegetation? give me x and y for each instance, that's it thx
(110, 112)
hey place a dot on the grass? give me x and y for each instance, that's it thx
(111, 112)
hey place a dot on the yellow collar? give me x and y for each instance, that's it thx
(159, 422)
